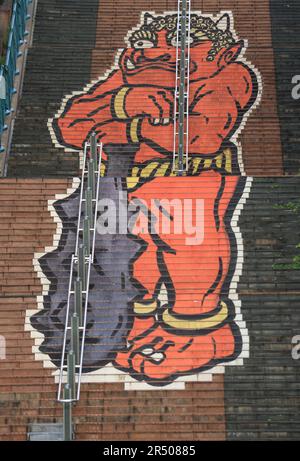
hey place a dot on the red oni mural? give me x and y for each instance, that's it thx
(131, 110)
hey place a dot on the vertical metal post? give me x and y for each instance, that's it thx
(89, 204)
(182, 88)
(78, 299)
(68, 430)
(87, 235)
(81, 266)
(93, 142)
(91, 177)
(71, 373)
(75, 346)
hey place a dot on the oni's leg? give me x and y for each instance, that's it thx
(194, 329)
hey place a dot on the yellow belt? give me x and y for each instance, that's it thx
(140, 173)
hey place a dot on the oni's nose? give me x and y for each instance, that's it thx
(152, 55)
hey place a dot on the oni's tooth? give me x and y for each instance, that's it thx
(129, 64)
(156, 121)
(166, 121)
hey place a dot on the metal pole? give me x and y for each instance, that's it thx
(182, 87)
(81, 268)
(86, 235)
(91, 176)
(68, 431)
(89, 204)
(93, 142)
(71, 373)
(188, 22)
(75, 346)
(78, 299)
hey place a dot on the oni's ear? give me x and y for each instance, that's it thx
(231, 54)
(223, 23)
(148, 18)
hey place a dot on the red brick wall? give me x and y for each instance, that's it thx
(260, 139)
(27, 389)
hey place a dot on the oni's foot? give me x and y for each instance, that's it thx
(157, 355)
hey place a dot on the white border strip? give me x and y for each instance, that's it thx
(109, 374)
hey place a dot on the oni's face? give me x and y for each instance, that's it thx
(151, 57)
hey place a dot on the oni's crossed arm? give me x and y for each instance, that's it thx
(87, 112)
(112, 109)
(122, 114)
(216, 109)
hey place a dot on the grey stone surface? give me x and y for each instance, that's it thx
(58, 63)
(44, 432)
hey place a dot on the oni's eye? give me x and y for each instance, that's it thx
(174, 41)
(143, 44)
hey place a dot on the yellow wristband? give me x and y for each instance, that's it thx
(134, 128)
(119, 103)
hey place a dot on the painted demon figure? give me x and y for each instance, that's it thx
(131, 111)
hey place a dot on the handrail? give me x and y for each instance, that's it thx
(181, 99)
(78, 291)
(76, 261)
(9, 70)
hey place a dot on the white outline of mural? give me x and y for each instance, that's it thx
(109, 374)
(115, 66)
(2, 348)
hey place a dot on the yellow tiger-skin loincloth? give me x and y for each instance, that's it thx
(141, 173)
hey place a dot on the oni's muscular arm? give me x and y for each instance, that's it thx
(87, 111)
(216, 106)
(111, 109)
(122, 114)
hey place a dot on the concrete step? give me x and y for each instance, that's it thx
(45, 437)
(46, 427)
(49, 432)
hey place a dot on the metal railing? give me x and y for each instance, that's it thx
(182, 88)
(78, 293)
(9, 70)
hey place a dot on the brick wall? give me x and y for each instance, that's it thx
(52, 60)
(58, 62)
(257, 398)
(262, 129)
(286, 57)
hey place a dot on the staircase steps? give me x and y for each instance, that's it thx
(75, 42)
(45, 432)
(108, 412)
(58, 63)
